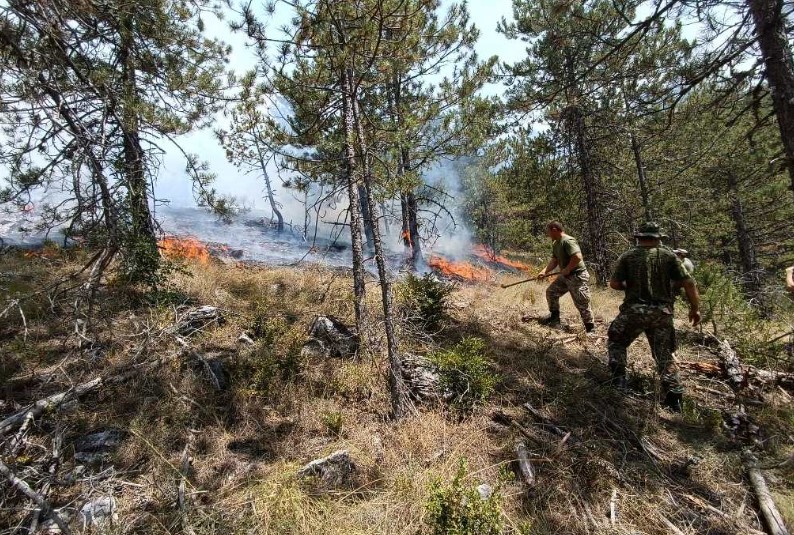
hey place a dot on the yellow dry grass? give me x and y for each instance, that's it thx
(248, 442)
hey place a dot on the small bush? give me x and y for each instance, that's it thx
(726, 308)
(423, 301)
(465, 372)
(458, 509)
(333, 422)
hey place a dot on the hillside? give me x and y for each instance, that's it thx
(206, 432)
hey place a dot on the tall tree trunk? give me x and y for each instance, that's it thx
(592, 191)
(411, 216)
(646, 206)
(366, 214)
(770, 25)
(143, 243)
(268, 187)
(749, 262)
(400, 401)
(353, 180)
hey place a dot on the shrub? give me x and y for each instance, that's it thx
(423, 301)
(465, 372)
(726, 308)
(458, 509)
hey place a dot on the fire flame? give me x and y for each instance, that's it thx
(406, 237)
(484, 252)
(187, 247)
(461, 270)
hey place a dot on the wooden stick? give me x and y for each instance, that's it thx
(56, 400)
(613, 507)
(25, 489)
(769, 511)
(671, 526)
(537, 277)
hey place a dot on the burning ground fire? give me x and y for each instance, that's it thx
(471, 272)
(187, 247)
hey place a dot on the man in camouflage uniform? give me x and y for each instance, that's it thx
(646, 274)
(572, 277)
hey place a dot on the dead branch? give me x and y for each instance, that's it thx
(566, 435)
(769, 511)
(34, 496)
(56, 400)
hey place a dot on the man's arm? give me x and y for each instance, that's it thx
(693, 296)
(549, 267)
(790, 279)
(575, 260)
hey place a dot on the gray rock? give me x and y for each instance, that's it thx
(329, 337)
(99, 512)
(335, 470)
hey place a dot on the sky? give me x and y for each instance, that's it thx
(174, 185)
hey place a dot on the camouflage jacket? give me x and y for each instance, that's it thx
(648, 273)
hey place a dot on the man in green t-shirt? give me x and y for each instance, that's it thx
(572, 277)
(647, 273)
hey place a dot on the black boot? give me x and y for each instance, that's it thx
(553, 319)
(589, 327)
(673, 402)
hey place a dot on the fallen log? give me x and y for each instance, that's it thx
(769, 511)
(56, 400)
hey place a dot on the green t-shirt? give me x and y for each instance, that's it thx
(649, 273)
(563, 249)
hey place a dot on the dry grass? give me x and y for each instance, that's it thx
(281, 411)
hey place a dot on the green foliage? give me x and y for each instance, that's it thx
(333, 422)
(724, 306)
(458, 509)
(424, 301)
(465, 372)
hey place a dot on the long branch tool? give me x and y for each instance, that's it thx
(536, 277)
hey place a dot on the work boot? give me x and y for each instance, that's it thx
(673, 402)
(553, 319)
(589, 327)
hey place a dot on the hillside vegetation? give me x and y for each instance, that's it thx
(197, 455)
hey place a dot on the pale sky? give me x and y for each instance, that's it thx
(173, 184)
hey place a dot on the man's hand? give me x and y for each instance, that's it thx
(694, 316)
(565, 272)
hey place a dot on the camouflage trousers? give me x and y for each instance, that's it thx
(656, 321)
(576, 284)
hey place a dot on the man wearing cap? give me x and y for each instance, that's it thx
(647, 273)
(572, 277)
(683, 256)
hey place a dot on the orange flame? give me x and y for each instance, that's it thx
(406, 237)
(461, 270)
(187, 247)
(486, 253)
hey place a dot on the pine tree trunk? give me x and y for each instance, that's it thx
(366, 213)
(398, 389)
(353, 180)
(646, 206)
(770, 26)
(749, 262)
(592, 189)
(143, 244)
(268, 186)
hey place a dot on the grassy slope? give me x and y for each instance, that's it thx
(281, 412)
